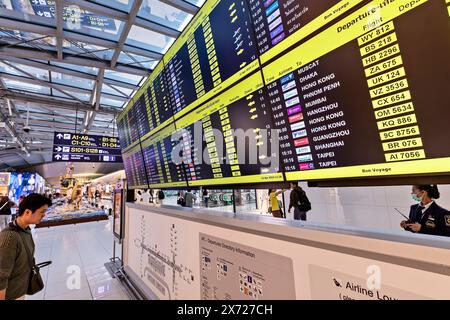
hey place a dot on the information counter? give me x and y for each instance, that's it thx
(182, 253)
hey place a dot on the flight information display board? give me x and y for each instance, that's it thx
(214, 51)
(224, 158)
(162, 170)
(156, 93)
(129, 122)
(133, 163)
(85, 148)
(274, 21)
(147, 111)
(371, 92)
(354, 88)
(122, 130)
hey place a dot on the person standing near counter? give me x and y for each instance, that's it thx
(274, 205)
(299, 201)
(427, 217)
(189, 199)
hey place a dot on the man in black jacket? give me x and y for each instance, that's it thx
(15, 241)
(299, 201)
(5, 211)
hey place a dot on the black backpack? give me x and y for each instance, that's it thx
(161, 195)
(304, 204)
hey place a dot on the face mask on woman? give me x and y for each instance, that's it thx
(416, 198)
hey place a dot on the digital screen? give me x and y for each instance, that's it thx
(162, 170)
(21, 184)
(135, 172)
(119, 197)
(85, 148)
(214, 155)
(274, 21)
(369, 102)
(351, 88)
(215, 50)
(147, 111)
(157, 91)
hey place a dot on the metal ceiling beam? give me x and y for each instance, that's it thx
(59, 27)
(50, 67)
(98, 92)
(59, 87)
(52, 102)
(92, 37)
(182, 5)
(45, 124)
(125, 31)
(13, 132)
(40, 55)
(156, 27)
(36, 81)
(50, 117)
(100, 9)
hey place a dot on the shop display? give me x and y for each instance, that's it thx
(64, 212)
(118, 212)
(4, 182)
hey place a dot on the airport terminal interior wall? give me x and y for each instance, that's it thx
(365, 207)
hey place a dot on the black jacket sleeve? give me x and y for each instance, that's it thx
(440, 225)
(293, 199)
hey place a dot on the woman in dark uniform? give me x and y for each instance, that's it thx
(427, 217)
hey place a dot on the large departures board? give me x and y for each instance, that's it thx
(162, 170)
(373, 91)
(352, 88)
(215, 50)
(133, 162)
(221, 157)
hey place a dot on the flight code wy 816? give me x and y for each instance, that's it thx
(226, 309)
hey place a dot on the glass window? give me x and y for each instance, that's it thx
(88, 50)
(15, 37)
(246, 201)
(20, 85)
(197, 3)
(86, 22)
(90, 70)
(137, 61)
(111, 102)
(36, 72)
(123, 5)
(150, 40)
(110, 90)
(164, 14)
(103, 118)
(42, 8)
(72, 81)
(124, 77)
(86, 97)
(7, 69)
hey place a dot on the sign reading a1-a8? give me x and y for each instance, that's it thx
(85, 148)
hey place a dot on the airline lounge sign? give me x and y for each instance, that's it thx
(85, 148)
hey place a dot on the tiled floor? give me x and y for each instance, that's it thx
(78, 253)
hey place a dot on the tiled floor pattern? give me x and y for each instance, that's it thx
(78, 253)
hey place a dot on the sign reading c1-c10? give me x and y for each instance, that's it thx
(85, 148)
